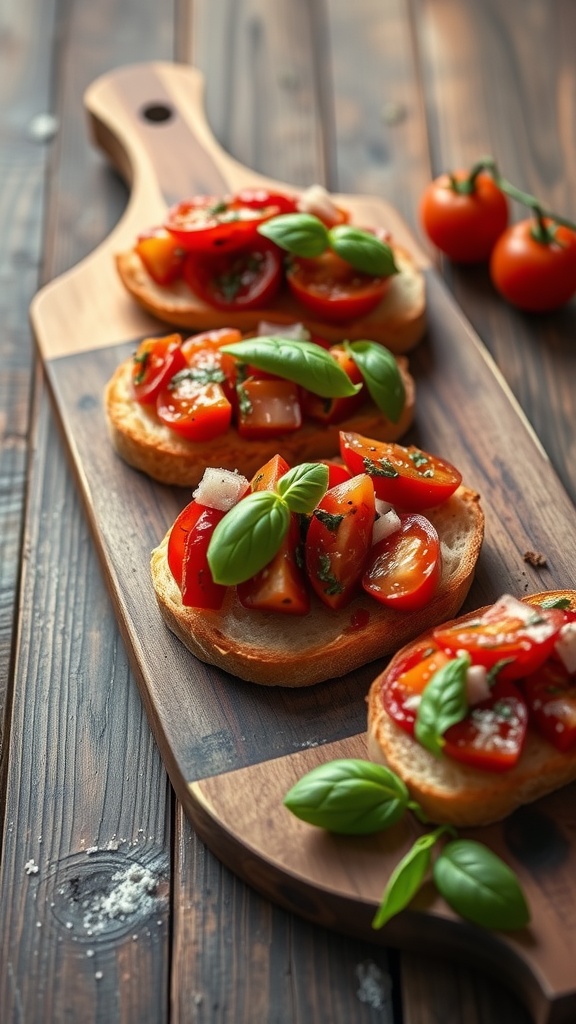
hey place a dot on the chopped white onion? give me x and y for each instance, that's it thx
(220, 488)
(297, 332)
(565, 647)
(384, 525)
(318, 201)
(477, 687)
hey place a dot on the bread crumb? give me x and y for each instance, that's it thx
(31, 868)
(375, 986)
(535, 558)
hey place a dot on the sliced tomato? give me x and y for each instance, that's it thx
(550, 694)
(401, 690)
(261, 198)
(337, 473)
(332, 289)
(281, 585)
(403, 569)
(208, 224)
(245, 279)
(492, 735)
(334, 410)
(519, 636)
(186, 554)
(268, 408)
(268, 476)
(156, 360)
(203, 355)
(407, 477)
(199, 412)
(161, 255)
(338, 540)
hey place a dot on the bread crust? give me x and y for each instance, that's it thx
(399, 321)
(150, 446)
(282, 650)
(454, 793)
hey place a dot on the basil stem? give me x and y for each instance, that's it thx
(303, 362)
(381, 375)
(443, 703)
(362, 250)
(248, 537)
(407, 877)
(349, 797)
(302, 234)
(479, 886)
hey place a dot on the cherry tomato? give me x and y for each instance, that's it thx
(509, 631)
(245, 279)
(464, 224)
(199, 412)
(334, 410)
(204, 356)
(267, 408)
(550, 694)
(492, 735)
(403, 569)
(156, 360)
(161, 255)
(332, 289)
(268, 476)
(338, 540)
(209, 224)
(402, 687)
(259, 198)
(536, 274)
(407, 477)
(186, 554)
(337, 473)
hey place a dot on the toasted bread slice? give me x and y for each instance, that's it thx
(282, 650)
(148, 445)
(398, 322)
(454, 793)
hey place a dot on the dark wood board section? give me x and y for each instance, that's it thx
(221, 738)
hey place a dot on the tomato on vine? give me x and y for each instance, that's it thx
(464, 213)
(533, 264)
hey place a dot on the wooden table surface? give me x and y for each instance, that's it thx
(371, 97)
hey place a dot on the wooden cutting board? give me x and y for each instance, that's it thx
(233, 749)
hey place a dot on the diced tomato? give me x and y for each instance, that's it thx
(267, 408)
(338, 540)
(281, 585)
(203, 354)
(412, 480)
(199, 412)
(518, 635)
(244, 279)
(268, 476)
(403, 569)
(550, 694)
(156, 360)
(337, 473)
(492, 735)
(186, 554)
(206, 225)
(332, 289)
(334, 410)
(161, 255)
(401, 691)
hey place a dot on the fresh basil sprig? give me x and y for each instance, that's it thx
(349, 796)
(407, 877)
(305, 235)
(250, 534)
(381, 375)
(443, 703)
(479, 886)
(302, 362)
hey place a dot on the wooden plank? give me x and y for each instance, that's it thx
(83, 773)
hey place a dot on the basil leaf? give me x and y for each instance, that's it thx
(381, 375)
(248, 537)
(406, 878)
(363, 250)
(349, 796)
(443, 703)
(555, 602)
(302, 234)
(479, 886)
(303, 362)
(304, 486)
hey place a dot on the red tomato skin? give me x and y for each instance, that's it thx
(208, 225)
(203, 352)
(535, 276)
(550, 694)
(403, 569)
(410, 490)
(334, 410)
(155, 362)
(337, 473)
(272, 409)
(257, 198)
(256, 268)
(186, 553)
(281, 585)
(335, 558)
(496, 745)
(269, 474)
(161, 255)
(410, 675)
(332, 290)
(196, 412)
(464, 226)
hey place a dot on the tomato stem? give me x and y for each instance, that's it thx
(541, 232)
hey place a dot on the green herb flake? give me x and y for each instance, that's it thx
(383, 467)
(328, 519)
(325, 575)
